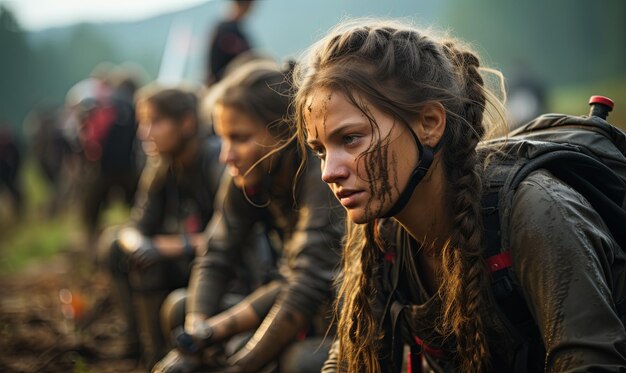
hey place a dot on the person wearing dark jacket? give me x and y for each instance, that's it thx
(152, 255)
(396, 116)
(267, 186)
(227, 41)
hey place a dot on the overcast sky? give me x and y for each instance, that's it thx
(41, 14)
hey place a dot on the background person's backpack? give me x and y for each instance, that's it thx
(588, 154)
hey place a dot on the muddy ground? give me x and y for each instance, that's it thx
(59, 316)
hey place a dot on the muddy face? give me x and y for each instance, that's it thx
(245, 141)
(367, 155)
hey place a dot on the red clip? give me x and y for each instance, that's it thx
(499, 262)
(390, 256)
(434, 352)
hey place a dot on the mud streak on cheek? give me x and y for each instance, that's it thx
(377, 167)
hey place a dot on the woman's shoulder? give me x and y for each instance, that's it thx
(542, 201)
(547, 213)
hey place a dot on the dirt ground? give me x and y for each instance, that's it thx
(59, 316)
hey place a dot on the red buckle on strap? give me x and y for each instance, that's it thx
(390, 257)
(499, 262)
(439, 354)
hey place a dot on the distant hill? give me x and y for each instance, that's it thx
(281, 28)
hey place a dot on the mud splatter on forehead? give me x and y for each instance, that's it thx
(309, 114)
(318, 106)
(325, 105)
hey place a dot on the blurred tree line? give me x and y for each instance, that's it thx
(564, 41)
(20, 74)
(41, 73)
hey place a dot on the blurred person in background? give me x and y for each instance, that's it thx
(227, 41)
(151, 256)
(527, 96)
(287, 317)
(10, 165)
(105, 130)
(52, 152)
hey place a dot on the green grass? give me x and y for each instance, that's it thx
(36, 236)
(35, 240)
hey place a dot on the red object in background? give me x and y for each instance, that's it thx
(72, 304)
(95, 131)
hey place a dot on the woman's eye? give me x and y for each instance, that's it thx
(240, 138)
(319, 153)
(350, 139)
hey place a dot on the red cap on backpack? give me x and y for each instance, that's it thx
(602, 100)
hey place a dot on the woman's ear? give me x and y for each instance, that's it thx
(431, 124)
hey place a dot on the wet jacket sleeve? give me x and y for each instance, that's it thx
(312, 256)
(564, 260)
(227, 234)
(147, 212)
(314, 250)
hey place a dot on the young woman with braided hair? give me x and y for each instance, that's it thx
(265, 188)
(396, 116)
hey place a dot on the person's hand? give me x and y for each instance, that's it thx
(193, 343)
(195, 324)
(141, 252)
(146, 255)
(177, 362)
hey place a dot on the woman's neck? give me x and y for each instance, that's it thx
(187, 155)
(283, 179)
(425, 216)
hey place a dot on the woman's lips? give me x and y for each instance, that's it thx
(349, 198)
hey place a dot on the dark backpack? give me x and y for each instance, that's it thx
(585, 152)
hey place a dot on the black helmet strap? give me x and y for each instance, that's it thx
(427, 154)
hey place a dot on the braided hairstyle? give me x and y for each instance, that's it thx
(398, 69)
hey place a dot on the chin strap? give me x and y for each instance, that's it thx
(427, 154)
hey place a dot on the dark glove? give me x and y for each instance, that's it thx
(139, 248)
(187, 357)
(178, 362)
(193, 344)
(145, 255)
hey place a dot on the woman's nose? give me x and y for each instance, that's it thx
(333, 170)
(227, 155)
(143, 131)
(147, 130)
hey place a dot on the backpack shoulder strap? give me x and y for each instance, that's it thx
(504, 284)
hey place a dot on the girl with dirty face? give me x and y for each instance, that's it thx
(395, 115)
